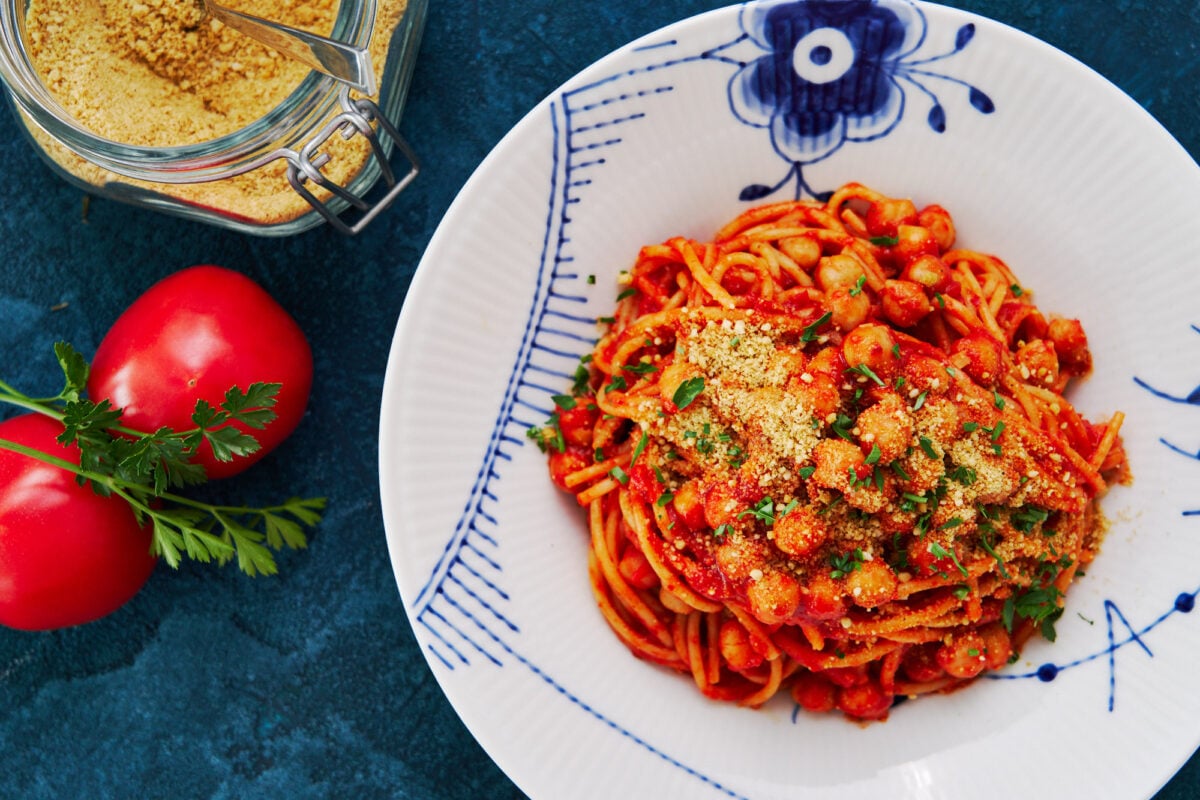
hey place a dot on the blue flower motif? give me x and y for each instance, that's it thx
(825, 72)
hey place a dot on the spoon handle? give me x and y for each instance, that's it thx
(345, 62)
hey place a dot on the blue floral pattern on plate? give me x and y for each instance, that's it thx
(826, 72)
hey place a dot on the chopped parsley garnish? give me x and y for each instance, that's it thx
(810, 332)
(591, 279)
(580, 384)
(807, 472)
(985, 534)
(927, 447)
(829, 506)
(534, 434)
(621, 475)
(842, 425)
(765, 510)
(641, 368)
(997, 400)
(937, 551)
(963, 475)
(723, 530)
(1027, 518)
(630, 292)
(1016, 290)
(884, 241)
(920, 400)
(866, 372)
(616, 384)
(564, 401)
(843, 564)
(687, 392)
(1039, 605)
(736, 456)
(873, 456)
(637, 450)
(858, 286)
(663, 499)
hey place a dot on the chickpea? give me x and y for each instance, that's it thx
(736, 558)
(689, 504)
(825, 362)
(636, 570)
(804, 250)
(872, 584)
(1038, 362)
(845, 677)
(821, 598)
(887, 214)
(800, 532)
(963, 656)
(849, 309)
(774, 598)
(814, 693)
(1071, 345)
(997, 645)
(820, 394)
(565, 462)
(928, 271)
(913, 242)
(838, 271)
(736, 649)
(871, 345)
(943, 415)
(888, 426)
(721, 505)
(904, 302)
(983, 357)
(865, 701)
(834, 459)
(920, 663)
(938, 222)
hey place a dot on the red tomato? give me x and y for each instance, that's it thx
(194, 335)
(67, 555)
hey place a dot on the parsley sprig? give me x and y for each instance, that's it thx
(142, 467)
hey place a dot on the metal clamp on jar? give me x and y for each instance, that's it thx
(188, 116)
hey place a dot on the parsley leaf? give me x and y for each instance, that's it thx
(810, 332)
(142, 467)
(687, 392)
(842, 564)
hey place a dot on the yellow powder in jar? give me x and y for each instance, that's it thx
(160, 73)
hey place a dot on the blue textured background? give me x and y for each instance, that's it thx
(310, 684)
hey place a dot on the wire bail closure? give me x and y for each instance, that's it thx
(357, 118)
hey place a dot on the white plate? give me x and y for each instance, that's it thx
(1040, 161)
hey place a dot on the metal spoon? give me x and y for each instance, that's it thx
(345, 62)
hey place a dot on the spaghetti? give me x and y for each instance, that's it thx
(829, 454)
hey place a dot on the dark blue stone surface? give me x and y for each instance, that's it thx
(310, 685)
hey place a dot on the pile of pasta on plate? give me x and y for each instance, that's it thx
(828, 453)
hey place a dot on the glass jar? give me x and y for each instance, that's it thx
(324, 153)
